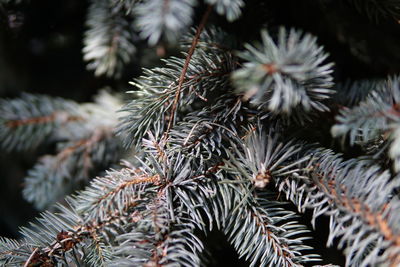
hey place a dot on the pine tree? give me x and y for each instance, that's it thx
(245, 130)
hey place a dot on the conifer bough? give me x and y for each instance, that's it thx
(215, 139)
(284, 75)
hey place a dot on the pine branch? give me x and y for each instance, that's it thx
(373, 118)
(12, 252)
(182, 247)
(160, 226)
(204, 134)
(211, 38)
(83, 134)
(203, 200)
(231, 8)
(77, 230)
(31, 120)
(359, 199)
(157, 92)
(54, 177)
(127, 5)
(268, 235)
(116, 192)
(285, 75)
(260, 158)
(254, 224)
(108, 41)
(167, 19)
(208, 140)
(230, 205)
(185, 69)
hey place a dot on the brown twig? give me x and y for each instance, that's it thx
(185, 68)
(140, 179)
(57, 115)
(31, 257)
(375, 219)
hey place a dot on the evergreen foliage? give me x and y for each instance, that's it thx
(286, 74)
(163, 18)
(82, 133)
(374, 118)
(214, 139)
(108, 42)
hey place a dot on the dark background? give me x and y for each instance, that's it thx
(40, 52)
